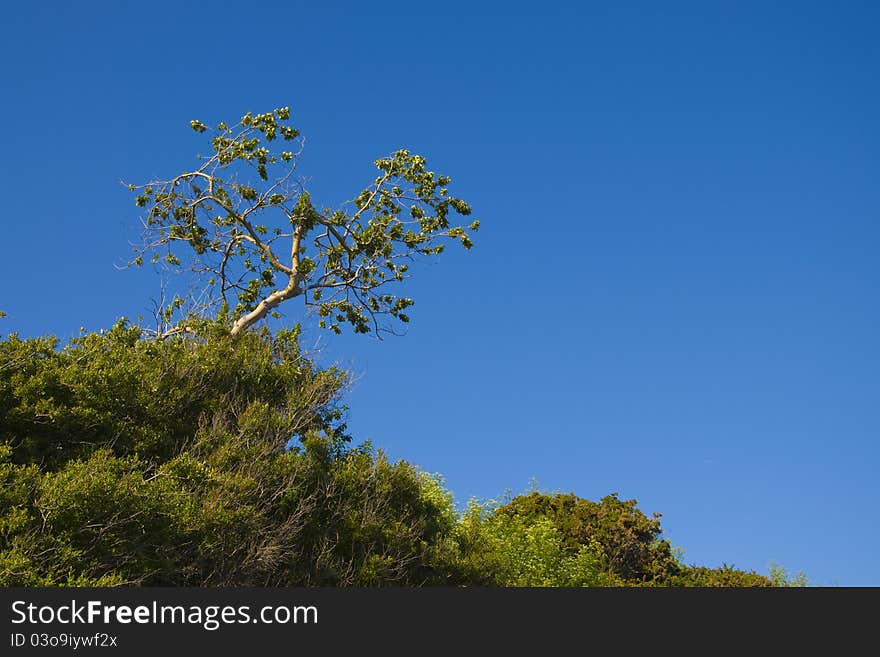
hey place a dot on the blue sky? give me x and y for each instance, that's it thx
(674, 291)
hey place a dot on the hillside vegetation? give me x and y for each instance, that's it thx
(221, 460)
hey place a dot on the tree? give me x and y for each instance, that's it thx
(249, 229)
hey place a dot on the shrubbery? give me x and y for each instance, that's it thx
(218, 461)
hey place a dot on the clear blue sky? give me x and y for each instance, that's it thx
(674, 293)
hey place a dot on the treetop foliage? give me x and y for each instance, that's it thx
(248, 227)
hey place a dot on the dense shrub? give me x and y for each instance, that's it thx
(150, 397)
(197, 462)
(501, 549)
(725, 576)
(631, 542)
(217, 461)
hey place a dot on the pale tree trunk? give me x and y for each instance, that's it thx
(276, 298)
(293, 289)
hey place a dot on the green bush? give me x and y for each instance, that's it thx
(150, 397)
(215, 461)
(197, 462)
(502, 549)
(725, 576)
(631, 542)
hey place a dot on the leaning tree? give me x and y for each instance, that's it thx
(246, 225)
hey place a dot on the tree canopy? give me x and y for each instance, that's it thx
(247, 226)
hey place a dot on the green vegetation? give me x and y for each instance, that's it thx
(249, 232)
(210, 452)
(127, 460)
